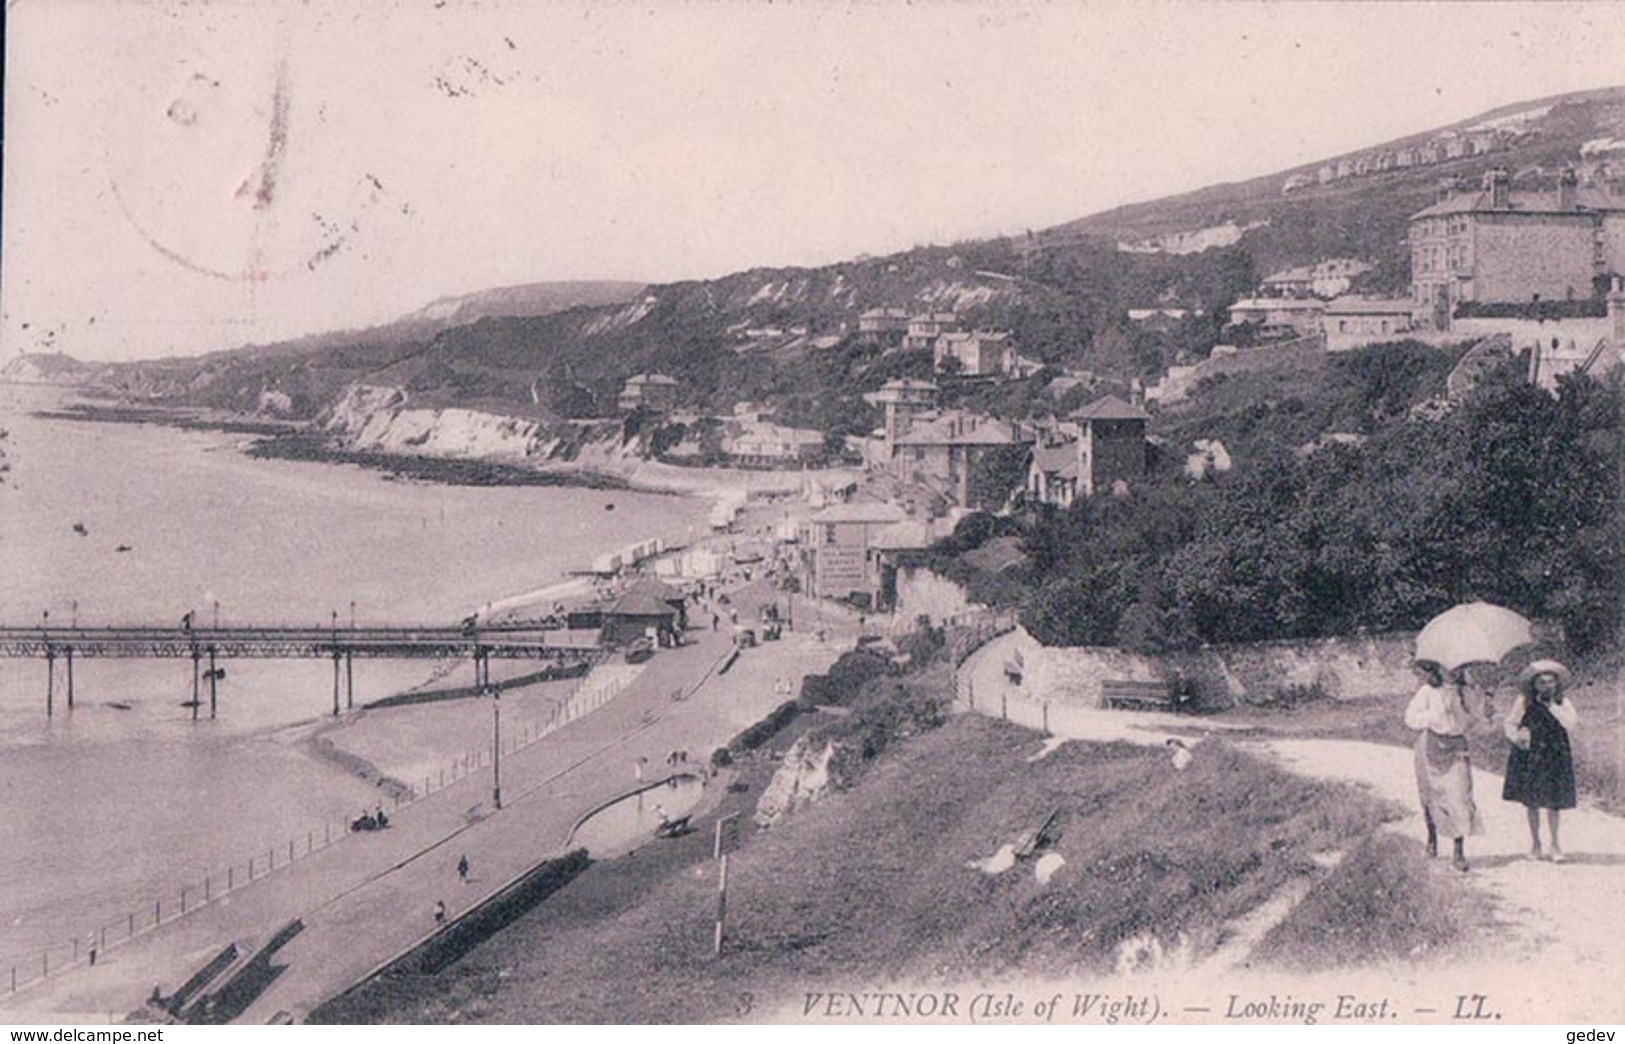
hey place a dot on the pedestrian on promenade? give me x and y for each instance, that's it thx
(1540, 768)
(439, 911)
(715, 620)
(462, 868)
(1444, 782)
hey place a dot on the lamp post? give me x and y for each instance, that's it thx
(482, 683)
(496, 741)
(216, 602)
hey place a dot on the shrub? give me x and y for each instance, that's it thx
(844, 681)
(923, 644)
(765, 729)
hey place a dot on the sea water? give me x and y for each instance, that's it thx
(125, 795)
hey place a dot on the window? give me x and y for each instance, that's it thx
(829, 533)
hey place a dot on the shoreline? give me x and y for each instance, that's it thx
(314, 448)
(301, 441)
(323, 749)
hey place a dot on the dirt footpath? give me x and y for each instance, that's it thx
(1560, 950)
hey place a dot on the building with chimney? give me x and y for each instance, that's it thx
(903, 399)
(1279, 318)
(1351, 322)
(942, 449)
(883, 326)
(977, 354)
(925, 328)
(1107, 445)
(1497, 246)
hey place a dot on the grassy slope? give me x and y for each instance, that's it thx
(872, 885)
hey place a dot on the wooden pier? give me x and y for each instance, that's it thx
(343, 645)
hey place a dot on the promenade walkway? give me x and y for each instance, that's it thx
(365, 902)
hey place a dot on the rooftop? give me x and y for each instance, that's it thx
(656, 588)
(959, 429)
(1369, 306)
(860, 512)
(1481, 202)
(636, 603)
(1302, 304)
(1110, 407)
(1059, 460)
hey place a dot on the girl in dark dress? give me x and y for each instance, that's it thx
(1540, 769)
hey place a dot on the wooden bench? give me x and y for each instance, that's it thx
(1139, 695)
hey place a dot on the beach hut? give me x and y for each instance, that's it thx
(635, 615)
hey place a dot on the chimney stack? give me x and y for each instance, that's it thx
(1568, 189)
(1497, 184)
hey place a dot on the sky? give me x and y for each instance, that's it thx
(192, 175)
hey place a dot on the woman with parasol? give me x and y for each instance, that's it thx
(1540, 769)
(1474, 633)
(1444, 779)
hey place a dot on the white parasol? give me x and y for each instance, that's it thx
(1477, 632)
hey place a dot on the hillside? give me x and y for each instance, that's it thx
(1365, 215)
(785, 338)
(301, 376)
(45, 368)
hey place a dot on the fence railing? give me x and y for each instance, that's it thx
(970, 631)
(147, 916)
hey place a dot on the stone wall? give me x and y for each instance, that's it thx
(1342, 669)
(1574, 334)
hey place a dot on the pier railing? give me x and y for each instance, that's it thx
(497, 641)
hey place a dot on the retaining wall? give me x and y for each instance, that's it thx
(1341, 669)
